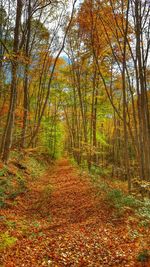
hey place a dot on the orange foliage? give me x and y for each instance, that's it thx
(4, 110)
(99, 24)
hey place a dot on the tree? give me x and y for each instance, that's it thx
(7, 137)
(31, 36)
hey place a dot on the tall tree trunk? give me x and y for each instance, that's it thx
(142, 97)
(7, 136)
(126, 155)
(26, 74)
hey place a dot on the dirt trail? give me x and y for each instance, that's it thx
(61, 222)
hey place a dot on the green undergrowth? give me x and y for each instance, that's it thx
(121, 201)
(35, 167)
(114, 193)
(14, 176)
(100, 170)
(94, 172)
(73, 162)
(6, 240)
(11, 186)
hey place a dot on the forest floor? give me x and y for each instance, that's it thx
(62, 221)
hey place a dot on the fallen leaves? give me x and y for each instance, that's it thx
(69, 226)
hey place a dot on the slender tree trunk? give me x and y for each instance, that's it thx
(26, 76)
(7, 136)
(126, 155)
(142, 97)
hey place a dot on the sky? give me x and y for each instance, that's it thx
(77, 3)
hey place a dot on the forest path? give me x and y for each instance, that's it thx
(62, 222)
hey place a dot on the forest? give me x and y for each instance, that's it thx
(75, 133)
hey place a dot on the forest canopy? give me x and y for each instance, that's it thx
(75, 133)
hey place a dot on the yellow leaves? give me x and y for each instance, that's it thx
(19, 58)
(60, 62)
(118, 84)
(103, 25)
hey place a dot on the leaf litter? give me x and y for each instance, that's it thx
(61, 222)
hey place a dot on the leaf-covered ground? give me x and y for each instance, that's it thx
(61, 221)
